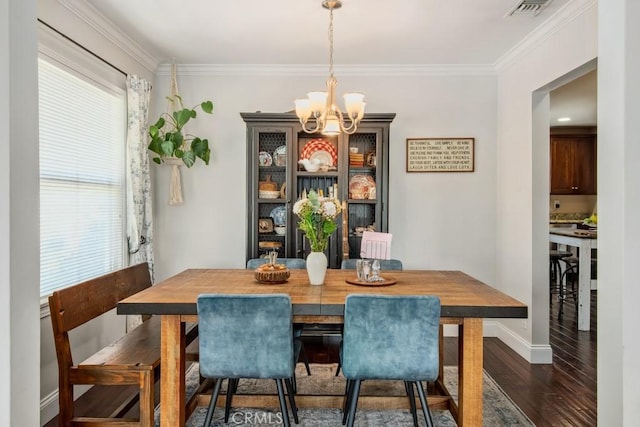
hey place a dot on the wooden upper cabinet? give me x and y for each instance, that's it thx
(573, 164)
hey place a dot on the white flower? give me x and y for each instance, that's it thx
(329, 208)
(297, 206)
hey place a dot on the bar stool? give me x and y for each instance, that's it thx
(555, 280)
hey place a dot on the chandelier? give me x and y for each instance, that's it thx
(328, 118)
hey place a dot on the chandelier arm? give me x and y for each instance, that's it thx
(349, 130)
(319, 125)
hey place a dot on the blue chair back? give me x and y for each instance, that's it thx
(291, 263)
(385, 264)
(391, 337)
(245, 336)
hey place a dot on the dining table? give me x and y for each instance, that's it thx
(584, 241)
(465, 302)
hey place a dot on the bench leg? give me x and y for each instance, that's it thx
(65, 401)
(147, 398)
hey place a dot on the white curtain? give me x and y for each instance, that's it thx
(139, 203)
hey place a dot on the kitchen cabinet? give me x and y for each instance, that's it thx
(573, 164)
(275, 144)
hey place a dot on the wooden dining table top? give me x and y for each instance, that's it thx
(460, 294)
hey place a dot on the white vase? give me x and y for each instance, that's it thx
(316, 267)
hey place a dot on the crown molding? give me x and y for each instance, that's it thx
(557, 22)
(96, 20)
(373, 70)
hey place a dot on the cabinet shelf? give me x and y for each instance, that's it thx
(362, 201)
(318, 174)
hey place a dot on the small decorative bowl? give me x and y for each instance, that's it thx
(272, 274)
(280, 229)
(268, 194)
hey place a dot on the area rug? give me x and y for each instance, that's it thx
(498, 410)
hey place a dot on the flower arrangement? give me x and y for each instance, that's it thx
(317, 218)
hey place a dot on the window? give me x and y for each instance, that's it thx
(82, 141)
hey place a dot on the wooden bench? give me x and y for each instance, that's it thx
(134, 359)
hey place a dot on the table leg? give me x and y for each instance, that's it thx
(470, 372)
(172, 388)
(584, 286)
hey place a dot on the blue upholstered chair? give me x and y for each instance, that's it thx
(246, 336)
(376, 327)
(292, 264)
(385, 264)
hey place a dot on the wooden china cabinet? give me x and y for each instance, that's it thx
(276, 179)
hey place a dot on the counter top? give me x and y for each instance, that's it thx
(580, 234)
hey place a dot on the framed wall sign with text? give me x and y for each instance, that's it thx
(440, 154)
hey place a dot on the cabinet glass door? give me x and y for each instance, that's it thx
(364, 189)
(270, 215)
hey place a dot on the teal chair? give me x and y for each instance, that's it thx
(246, 336)
(385, 264)
(292, 264)
(390, 338)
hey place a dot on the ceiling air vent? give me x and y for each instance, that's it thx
(528, 7)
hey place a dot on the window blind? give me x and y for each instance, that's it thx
(82, 141)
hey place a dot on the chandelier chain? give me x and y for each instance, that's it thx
(331, 42)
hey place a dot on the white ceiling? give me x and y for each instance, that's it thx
(295, 31)
(366, 32)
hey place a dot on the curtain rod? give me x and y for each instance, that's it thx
(82, 47)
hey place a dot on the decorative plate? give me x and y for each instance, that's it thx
(319, 144)
(264, 159)
(279, 215)
(383, 282)
(280, 156)
(323, 156)
(361, 182)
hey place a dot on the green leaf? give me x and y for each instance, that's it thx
(189, 158)
(157, 160)
(205, 156)
(199, 146)
(155, 145)
(207, 107)
(182, 117)
(159, 124)
(167, 148)
(177, 138)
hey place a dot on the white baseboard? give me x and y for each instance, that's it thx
(48, 407)
(534, 354)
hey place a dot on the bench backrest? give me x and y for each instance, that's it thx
(76, 305)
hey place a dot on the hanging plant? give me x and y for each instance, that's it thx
(169, 141)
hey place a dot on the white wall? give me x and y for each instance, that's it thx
(523, 167)
(19, 259)
(618, 207)
(439, 220)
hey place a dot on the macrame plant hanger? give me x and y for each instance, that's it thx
(175, 186)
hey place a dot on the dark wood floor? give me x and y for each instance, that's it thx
(560, 394)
